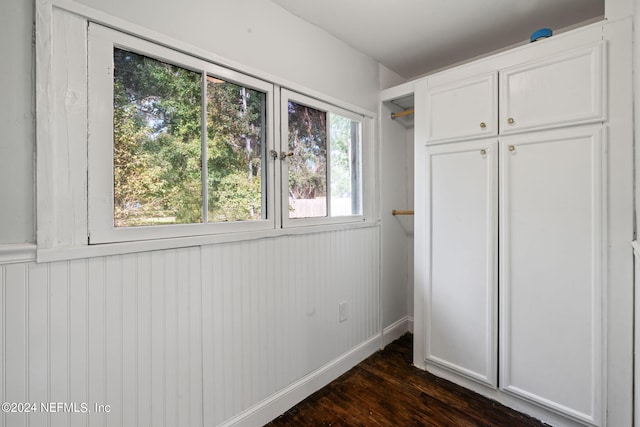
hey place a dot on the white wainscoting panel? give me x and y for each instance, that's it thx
(636, 380)
(187, 337)
(275, 302)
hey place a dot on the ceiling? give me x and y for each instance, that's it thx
(413, 37)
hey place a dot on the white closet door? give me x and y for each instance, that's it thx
(552, 269)
(463, 109)
(461, 269)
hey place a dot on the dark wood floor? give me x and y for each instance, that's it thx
(387, 390)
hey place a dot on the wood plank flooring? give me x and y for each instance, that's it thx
(387, 390)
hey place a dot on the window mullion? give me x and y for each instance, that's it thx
(204, 152)
(281, 173)
(355, 162)
(328, 163)
(264, 156)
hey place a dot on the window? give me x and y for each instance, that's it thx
(323, 161)
(158, 151)
(185, 143)
(182, 147)
(157, 142)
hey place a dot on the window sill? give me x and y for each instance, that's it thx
(106, 249)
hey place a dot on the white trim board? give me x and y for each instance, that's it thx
(285, 399)
(279, 403)
(396, 330)
(17, 253)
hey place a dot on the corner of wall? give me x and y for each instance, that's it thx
(389, 78)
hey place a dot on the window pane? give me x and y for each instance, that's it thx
(308, 164)
(157, 142)
(345, 166)
(236, 140)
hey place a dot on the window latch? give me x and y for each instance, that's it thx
(283, 155)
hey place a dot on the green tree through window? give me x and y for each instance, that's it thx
(324, 161)
(158, 150)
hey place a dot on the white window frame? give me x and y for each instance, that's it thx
(102, 41)
(66, 180)
(287, 95)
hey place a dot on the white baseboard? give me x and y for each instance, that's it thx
(396, 330)
(277, 404)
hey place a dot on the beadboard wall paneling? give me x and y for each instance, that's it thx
(187, 337)
(636, 377)
(275, 303)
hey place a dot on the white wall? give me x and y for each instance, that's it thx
(259, 34)
(396, 142)
(396, 192)
(410, 143)
(389, 78)
(16, 123)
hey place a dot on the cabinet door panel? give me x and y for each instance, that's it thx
(463, 110)
(462, 270)
(565, 89)
(551, 269)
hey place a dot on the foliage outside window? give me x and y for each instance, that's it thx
(235, 135)
(158, 150)
(182, 147)
(324, 163)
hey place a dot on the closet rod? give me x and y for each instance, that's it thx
(401, 212)
(402, 113)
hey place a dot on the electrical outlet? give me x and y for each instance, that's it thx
(342, 310)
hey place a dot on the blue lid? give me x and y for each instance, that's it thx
(542, 33)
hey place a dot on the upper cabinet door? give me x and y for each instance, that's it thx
(463, 110)
(561, 90)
